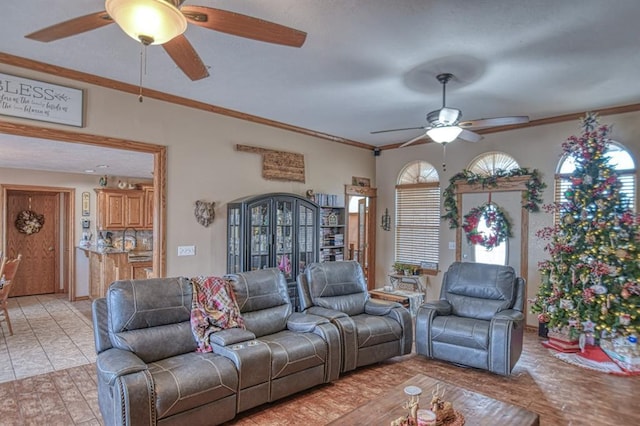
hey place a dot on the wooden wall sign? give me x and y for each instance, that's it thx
(278, 165)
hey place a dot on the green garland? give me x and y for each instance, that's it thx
(533, 194)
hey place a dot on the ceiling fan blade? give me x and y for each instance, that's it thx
(398, 130)
(493, 122)
(469, 136)
(410, 141)
(243, 26)
(186, 57)
(72, 27)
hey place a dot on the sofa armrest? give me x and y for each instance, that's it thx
(114, 363)
(442, 307)
(509, 315)
(380, 307)
(231, 336)
(330, 314)
(305, 323)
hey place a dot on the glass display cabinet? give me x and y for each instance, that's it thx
(273, 230)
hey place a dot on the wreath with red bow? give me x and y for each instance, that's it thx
(494, 219)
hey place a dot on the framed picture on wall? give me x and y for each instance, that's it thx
(86, 206)
(360, 181)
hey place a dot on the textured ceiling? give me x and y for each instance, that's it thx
(371, 64)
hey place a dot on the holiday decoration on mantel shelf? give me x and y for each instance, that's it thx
(591, 283)
(498, 228)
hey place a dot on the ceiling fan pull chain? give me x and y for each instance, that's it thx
(444, 157)
(143, 67)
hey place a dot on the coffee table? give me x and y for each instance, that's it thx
(477, 409)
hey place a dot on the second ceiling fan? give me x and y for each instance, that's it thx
(128, 14)
(445, 125)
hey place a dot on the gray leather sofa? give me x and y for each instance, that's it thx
(478, 321)
(370, 330)
(150, 373)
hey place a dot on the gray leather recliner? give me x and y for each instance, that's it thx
(301, 350)
(478, 321)
(148, 369)
(370, 330)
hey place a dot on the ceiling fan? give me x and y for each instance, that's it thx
(445, 125)
(139, 19)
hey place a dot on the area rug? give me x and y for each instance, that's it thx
(593, 358)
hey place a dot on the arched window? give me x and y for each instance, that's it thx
(622, 163)
(418, 214)
(488, 164)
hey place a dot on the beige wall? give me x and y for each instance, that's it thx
(535, 147)
(202, 163)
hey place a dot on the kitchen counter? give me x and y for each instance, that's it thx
(107, 265)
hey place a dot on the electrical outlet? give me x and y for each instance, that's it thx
(452, 245)
(186, 250)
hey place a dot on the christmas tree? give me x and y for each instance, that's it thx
(591, 283)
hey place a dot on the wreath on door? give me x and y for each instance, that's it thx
(499, 228)
(29, 222)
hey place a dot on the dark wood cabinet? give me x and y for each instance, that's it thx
(273, 230)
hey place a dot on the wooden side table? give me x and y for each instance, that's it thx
(415, 282)
(409, 299)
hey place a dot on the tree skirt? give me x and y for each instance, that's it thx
(593, 358)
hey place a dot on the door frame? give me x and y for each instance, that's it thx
(371, 195)
(159, 153)
(65, 262)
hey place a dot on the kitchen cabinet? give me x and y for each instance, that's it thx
(273, 230)
(124, 208)
(110, 266)
(148, 207)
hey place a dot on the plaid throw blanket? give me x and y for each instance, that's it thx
(213, 308)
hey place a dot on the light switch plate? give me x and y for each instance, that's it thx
(452, 245)
(186, 250)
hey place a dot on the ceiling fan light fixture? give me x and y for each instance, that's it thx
(148, 21)
(444, 134)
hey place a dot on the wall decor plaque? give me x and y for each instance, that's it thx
(278, 165)
(37, 100)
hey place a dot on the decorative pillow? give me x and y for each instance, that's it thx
(213, 308)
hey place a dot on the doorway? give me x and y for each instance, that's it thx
(361, 230)
(43, 269)
(159, 153)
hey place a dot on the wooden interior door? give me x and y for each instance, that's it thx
(362, 235)
(37, 273)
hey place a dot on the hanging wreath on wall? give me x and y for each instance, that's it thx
(29, 222)
(499, 228)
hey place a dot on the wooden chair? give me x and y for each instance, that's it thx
(7, 273)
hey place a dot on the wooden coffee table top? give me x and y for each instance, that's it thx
(477, 409)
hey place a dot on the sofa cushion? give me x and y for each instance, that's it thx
(263, 299)
(458, 331)
(373, 330)
(478, 290)
(214, 308)
(293, 351)
(144, 315)
(340, 286)
(190, 380)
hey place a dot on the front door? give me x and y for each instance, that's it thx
(37, 273)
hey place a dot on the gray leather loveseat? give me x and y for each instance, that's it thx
(478, 321)
(150, 373)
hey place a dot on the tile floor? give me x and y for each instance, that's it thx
(49, 334)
